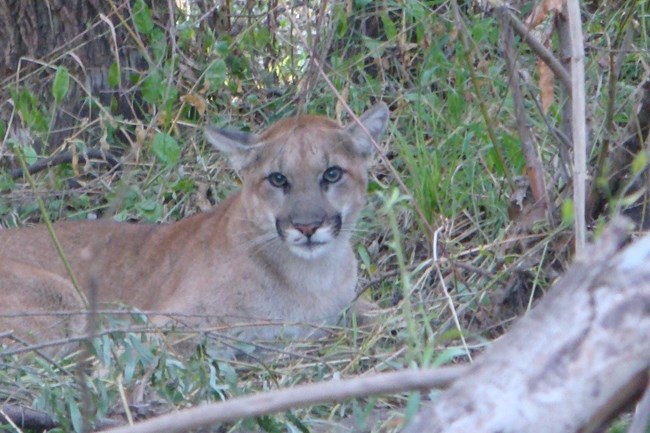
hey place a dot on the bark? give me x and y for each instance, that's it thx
(578, 123)
(26, 418)
(572, 363)
(35, 29)
(60, 32)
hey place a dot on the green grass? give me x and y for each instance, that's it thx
(458, 182)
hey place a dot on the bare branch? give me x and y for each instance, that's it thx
(534, 169)
(67, 157)
(299, 396)
(579, 126)
(26, 418)
(544, 53)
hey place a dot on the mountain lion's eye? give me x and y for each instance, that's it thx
(278, 180)
(333, 174)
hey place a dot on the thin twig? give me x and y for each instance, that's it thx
(66, 157)
(450, 301)
(299, 396)
(534, 169)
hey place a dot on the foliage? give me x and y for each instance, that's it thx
(441, 256)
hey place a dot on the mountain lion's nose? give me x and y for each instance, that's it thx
(307, 229)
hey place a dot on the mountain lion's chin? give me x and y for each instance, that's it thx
(310, 251)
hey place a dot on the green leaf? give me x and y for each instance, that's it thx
(147, 358)
(228, 373)
(412, 404)
(114, 75)
(375, 48)
(166, 148)
(389, 27)
(151, 209)
(216, 74)
(61, 83)
(269, 424)
(152, 87)
(364, 256)
(158, 44)
(295, 421)
(75, 415)
(262, 37)
(183, 185)
(148, 205)
(6, 183)
(630, 199)
(214, 381)
(639, 162)
(374, 187)
(29, 108)
(567, 212)
(30, 154)
(130, 365)
(104, 352)
(142, 17)
(340, 17)
(222, 47)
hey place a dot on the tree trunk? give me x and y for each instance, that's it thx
(72, 34)
(572, 363)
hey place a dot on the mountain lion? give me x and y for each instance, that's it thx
(277, 252)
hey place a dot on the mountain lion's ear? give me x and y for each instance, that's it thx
(375, 121)
(236, 144)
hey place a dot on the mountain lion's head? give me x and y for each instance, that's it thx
(304, 179)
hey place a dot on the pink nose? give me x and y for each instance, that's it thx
(307, 229)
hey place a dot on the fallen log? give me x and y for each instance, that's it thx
(572, 363)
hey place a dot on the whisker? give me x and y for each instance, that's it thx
(256, 241)
(261, 242)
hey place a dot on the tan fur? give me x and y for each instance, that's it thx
(245, 261)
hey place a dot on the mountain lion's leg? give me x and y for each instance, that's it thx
(37, 305)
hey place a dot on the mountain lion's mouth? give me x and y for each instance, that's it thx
(309, 249)
(311, 244)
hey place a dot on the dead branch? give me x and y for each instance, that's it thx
(299, 396)
(579, 123)
(26, 418)
(30, 419)
(65, 158)
(572, 363)
(534, 169)
(544, 53)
